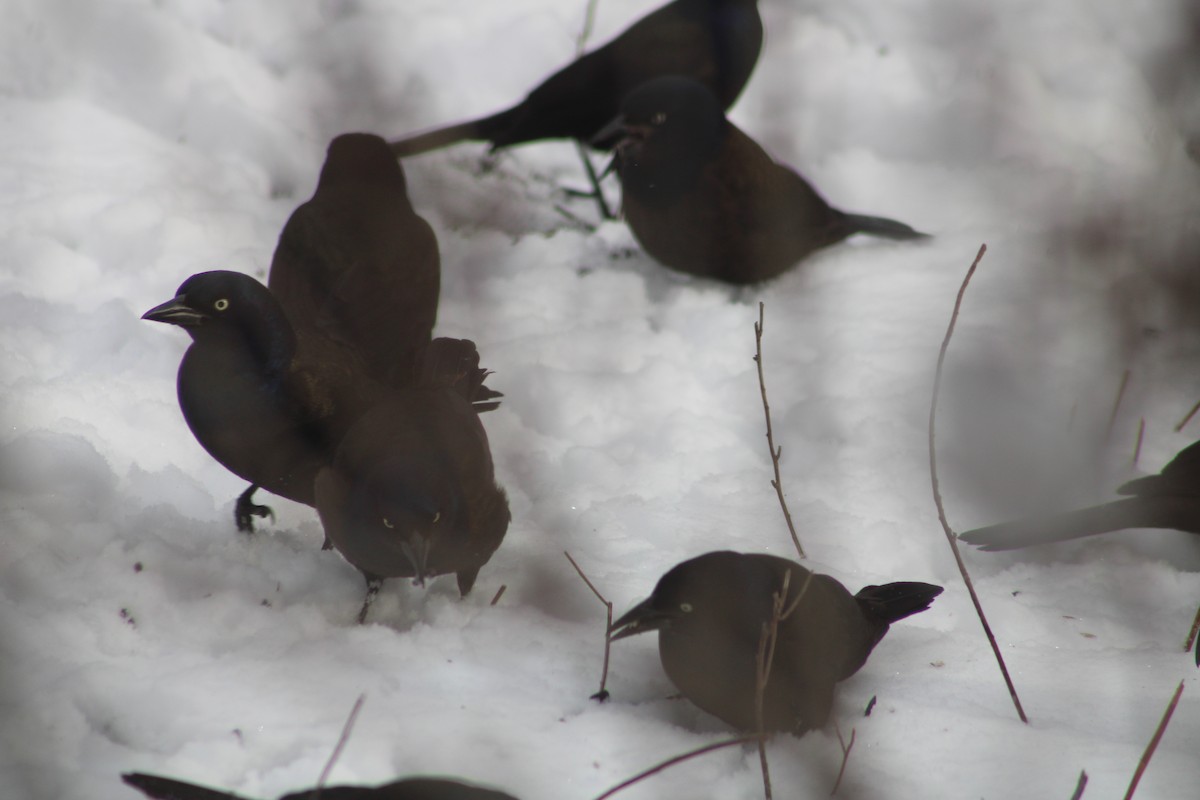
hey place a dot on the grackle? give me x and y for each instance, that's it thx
(160, 788)
(704, 198)
(1170, 499)
(713, 41)
(411, 491)
(710, 613)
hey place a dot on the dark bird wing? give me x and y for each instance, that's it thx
(170, 789)
(1180, 477)
(409, 789)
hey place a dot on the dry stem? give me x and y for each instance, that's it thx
(776, 452)
(670, 762)
(341, 744)
(601, 695)
(1137, 448)
(1079, 787)
(1192, 637)
(1150, 748)
(1188, 418)
(1112, 417)
(937, 494)
(846, 748)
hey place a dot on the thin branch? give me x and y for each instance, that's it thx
(1137, 448)
(1079, 787)
(937, 494)
(589, 22)
(1183, 422)
(341, 743)
(1192, 636)
(776, 452)
(499, 593)
(601, 695)
(1150, 748)
(1112, 418)
(670, 762)
(846, 748)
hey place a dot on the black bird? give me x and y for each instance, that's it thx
(260, 411)
(356, 267)
(1170, 499)
(704, 198)
(715, 42)
(408, 789)
(274, 378)
(411, 491)
(710, 612)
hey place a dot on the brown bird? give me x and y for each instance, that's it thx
(160, 788)
(411, 491)
(1170, 499)
(704, 198)
(710, 613)
(715, 42)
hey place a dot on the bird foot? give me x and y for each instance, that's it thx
(373, 585)
(245, 509)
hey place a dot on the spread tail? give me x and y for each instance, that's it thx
(168, 789)
(482, 129)
(895, 601)
(1180, 513)
(881, 226)
(454, 363)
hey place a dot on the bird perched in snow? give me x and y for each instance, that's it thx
(710, 613)
(704, 198)
(274, 378)
(1170, 499)
(160, 788)
(715, 42)
(411, 491)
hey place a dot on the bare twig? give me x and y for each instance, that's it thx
(1137, 448)
(1192, 635)
(1150, 748)
(589, 21)
(1079, 787)
(937, 494)
(341, 744)
(499, 593)
(670, 762)
(601, 695)
(1183, 422)
(776, 452)
(846, 748)
(1112, 418)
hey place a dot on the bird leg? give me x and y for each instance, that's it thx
(245, 509)
(373, 585)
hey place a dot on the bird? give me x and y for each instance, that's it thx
(1169, 499)
(411, 489)
(711, 613)
(276, 374)
(356, 267)
(423, 788)
(260, 411)
(716, 42)
(703, 198)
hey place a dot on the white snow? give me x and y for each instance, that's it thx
(145, 141)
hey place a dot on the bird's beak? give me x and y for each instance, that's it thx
(642, 618)
(612, 132)
(416, 550)
(176, 312)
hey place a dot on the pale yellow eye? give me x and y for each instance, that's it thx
(221, 304)
(659, 118)
(685, 608)
(437, 516)
(386, 523)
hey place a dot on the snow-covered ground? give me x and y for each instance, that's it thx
(142, 141)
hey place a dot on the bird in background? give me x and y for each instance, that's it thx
(161, 788)
(275, 377)
(704, 198)
(710, 613)
(715, 42)
(411, 490)
(1170, 499)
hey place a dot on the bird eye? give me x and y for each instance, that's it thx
(437, 516)
(221, 304)
(659, 118)
(386, 523)
(685, 608)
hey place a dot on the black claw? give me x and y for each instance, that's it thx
(245, 509)
(600, 696)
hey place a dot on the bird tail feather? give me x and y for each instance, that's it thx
(454, 364)
(895, 601)
(882, 226)
(1134, 512)
(482, 129)
(169, 789)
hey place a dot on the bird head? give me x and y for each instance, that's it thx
(358, 158)
(417, 520)
(669, 128)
